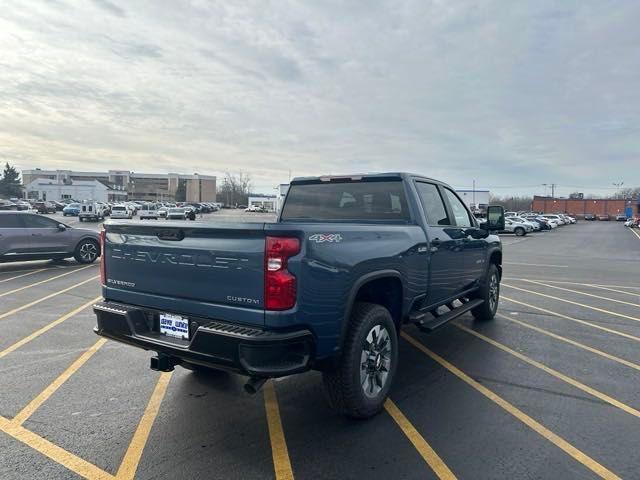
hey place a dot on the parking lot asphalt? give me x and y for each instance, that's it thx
(548, 390)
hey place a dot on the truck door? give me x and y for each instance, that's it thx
(446, 255)
(474, 247)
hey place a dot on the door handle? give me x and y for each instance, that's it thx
(36, 234)
(436, 242)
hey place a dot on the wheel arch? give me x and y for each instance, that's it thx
(388, 284)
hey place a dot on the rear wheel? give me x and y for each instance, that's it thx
(86, 251)
(519, 231)
(359, 386)
(490, 293)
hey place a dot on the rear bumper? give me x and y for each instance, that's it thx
(215, 344)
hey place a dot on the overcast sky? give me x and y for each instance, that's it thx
(511, 94)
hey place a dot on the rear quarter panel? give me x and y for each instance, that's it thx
(332, 260)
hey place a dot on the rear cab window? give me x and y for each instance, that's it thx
(366, 200)
(10, 220)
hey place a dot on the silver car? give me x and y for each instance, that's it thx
(28, 236)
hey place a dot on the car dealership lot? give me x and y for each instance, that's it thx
(550, 389)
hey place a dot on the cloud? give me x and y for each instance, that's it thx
(507, 95)
(110, 7)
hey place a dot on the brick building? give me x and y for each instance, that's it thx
(576, 206)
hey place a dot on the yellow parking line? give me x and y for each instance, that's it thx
(601, 310)
(132, 458)
(48, 327)
(581, 293)
(633, 294)
(606, 355)
(422, 446)
(34, 404)
(567, 317)
(15, 290)
(31, 272)
(54, 452)
(279, 451)
(558, 441)
(560, 376)
(47, 297)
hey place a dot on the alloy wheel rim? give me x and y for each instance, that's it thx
(493, 291)
(375, 361)
(88, 251)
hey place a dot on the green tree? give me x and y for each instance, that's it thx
(10, 185)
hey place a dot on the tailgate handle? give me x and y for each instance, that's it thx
(173, 235)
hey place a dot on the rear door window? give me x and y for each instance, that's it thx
(36, 221)
(366, 200)
(432, 204)
(10, 220)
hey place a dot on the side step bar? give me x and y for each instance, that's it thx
(438, 320)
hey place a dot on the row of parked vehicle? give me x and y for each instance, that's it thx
(522, 223)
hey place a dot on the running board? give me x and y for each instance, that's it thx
(438, 320)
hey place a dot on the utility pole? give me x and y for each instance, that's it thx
(618, 187)
(474, 193)
(553, 190)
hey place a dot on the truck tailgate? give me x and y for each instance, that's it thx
(197, 269)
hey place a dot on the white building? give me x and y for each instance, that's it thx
(46, 189)
(268, 202)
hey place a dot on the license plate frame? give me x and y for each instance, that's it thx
(174, 326)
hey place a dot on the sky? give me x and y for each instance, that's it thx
(509, 94)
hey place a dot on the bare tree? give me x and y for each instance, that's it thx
(235, 188)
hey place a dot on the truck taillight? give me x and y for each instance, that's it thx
(103, 276)
(279, 283)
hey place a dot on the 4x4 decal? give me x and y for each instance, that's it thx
(326, 237)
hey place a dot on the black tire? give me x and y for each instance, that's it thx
(344, 385)
(490, 293)
(520, 232)
(87, 251)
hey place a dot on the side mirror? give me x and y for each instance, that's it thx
(62, 227)
(495, 218)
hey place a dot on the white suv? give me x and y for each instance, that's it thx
(148, 211)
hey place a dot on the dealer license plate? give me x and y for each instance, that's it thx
(174, 326)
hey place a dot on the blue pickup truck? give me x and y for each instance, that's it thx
(326, 287)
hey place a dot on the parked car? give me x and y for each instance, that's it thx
(72, 209)
(632, 223)
(27, 236)
(121, 211)
(244, 297)
(557, 218)
(522, 221)
(7, 205)
(589, 216)
(148, 212)
(177, 213)
(621, 217)
(541, 222)
(91, 211)
(23, 205)
(44, 207)
(519, 229)
(604, 218)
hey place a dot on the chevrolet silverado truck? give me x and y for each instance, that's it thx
(326, 287)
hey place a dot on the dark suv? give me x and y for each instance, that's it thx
(27, 236)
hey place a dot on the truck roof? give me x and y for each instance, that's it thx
(359, 176)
